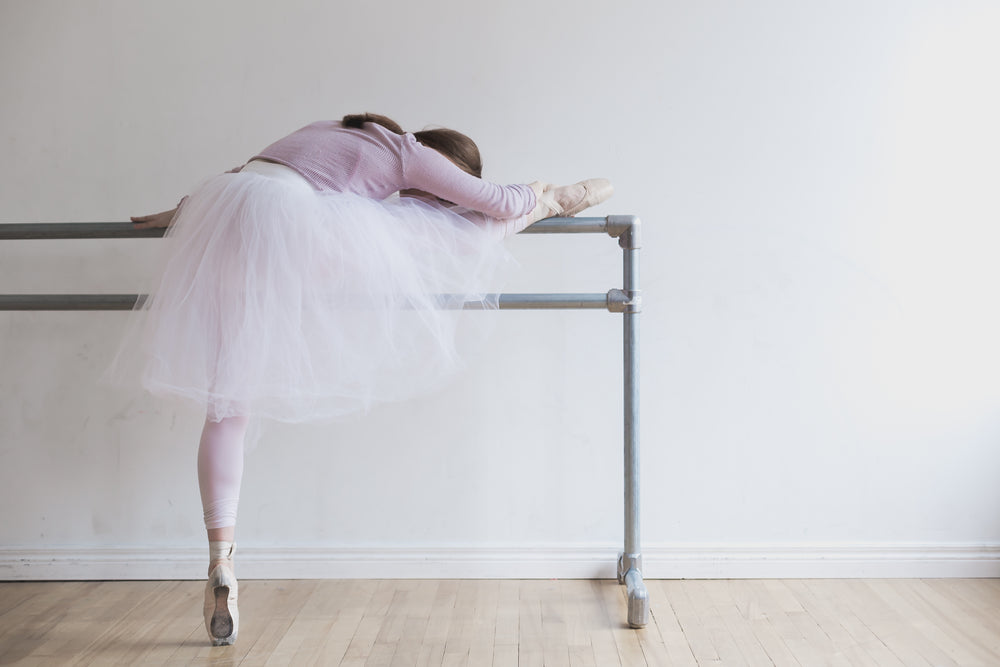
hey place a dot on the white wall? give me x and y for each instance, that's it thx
(817, 182)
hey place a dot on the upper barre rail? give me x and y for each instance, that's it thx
(614, 225)
(30, 231)
(615, 301)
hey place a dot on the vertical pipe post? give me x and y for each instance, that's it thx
(630, 561)
(631, 402)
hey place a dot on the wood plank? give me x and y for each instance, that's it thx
(769, 622)
(531, 652)
(940, 620)
(487, 601)
(892, 632)
(689, 621)
(417, 610)
(615, 614)
(362, 643)
(734, 608)
(664, 623)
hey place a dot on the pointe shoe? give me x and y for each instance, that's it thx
(596, 190)
(546, 206)
(222, 617)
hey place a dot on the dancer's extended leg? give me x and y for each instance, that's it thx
(568, 200)
(552, 200)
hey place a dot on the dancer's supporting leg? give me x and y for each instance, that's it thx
(220, 472)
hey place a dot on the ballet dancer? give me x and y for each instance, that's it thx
(297, 288)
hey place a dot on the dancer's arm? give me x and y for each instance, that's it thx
(499, 227)
(162, 219)
(428, 170)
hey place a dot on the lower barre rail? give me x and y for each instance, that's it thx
(626, 300)
(503, 301)
(68, 301)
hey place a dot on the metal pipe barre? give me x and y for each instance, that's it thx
(626, 300)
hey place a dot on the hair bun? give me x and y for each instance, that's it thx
(358, 120)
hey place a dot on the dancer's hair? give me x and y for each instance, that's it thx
(358, 120)
(455, 146)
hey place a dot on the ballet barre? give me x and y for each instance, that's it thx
(626, 300)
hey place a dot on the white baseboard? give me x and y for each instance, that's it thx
(822, 561)
(660, 561)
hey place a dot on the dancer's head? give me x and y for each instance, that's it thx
(455, 146)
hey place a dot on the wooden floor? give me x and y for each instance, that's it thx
(761, 622)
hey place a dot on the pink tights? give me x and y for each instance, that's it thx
(220, 469)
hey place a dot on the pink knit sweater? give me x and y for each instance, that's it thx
(375, 162)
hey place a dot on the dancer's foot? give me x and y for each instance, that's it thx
(221, 552)
(579, 196)
(228, 562)
(546, 206)
(568, 200)
(222, 617)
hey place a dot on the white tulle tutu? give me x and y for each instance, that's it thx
(280, 301)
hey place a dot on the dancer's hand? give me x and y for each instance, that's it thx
(154, 220)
